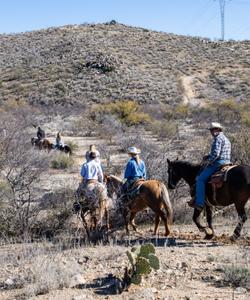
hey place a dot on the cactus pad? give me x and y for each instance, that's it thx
(131, 257)
(154, 261)
(146, 249)
(142, 266)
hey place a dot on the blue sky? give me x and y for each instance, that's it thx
(188, 17)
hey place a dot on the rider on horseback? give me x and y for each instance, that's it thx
(40, 133)
(134, 171)
(59, 142)
(219, 155)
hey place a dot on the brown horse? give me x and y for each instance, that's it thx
(42, 144)
(236, 190)
(152, 194)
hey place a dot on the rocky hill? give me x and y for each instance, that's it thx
(72, 66)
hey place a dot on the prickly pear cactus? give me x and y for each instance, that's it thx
(143, 260)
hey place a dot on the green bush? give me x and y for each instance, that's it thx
(237, 276)
(164, 129)
(127, 112)
(62, 161)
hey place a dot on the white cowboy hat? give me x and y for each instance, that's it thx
(133, 150)
(214, 125)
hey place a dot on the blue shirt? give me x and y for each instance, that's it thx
(92, 170)
(220, 149)
(134, 170)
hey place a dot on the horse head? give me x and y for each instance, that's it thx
(113, 184)
(174, 175)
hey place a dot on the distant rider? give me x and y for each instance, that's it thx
(40, 134)
(59, 143)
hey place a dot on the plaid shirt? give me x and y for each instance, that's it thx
(220, 149)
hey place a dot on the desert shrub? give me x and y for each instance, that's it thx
(126, 111)
(241, 146)
(21, 168)
(245, 118)
(182, 111)
(73, 145)
(237, 276)
(102, 62)
(62, 161)
(109, 127)
(164, 129)
(54, 209)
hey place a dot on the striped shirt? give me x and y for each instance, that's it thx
(220, 149)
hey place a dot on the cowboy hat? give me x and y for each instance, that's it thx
(216, 125)
(133, 150)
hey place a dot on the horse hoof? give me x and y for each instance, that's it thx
(208, 231)
(233, 238)
(209, 236)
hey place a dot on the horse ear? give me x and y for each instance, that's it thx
(177, 158)
(168, 161)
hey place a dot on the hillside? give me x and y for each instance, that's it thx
(72, 66)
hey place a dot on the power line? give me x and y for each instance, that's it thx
(222, 4)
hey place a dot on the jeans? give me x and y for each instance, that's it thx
(202, 179)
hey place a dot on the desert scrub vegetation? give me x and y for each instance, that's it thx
(62, 161)
(21, 168)
(128, 112)
(241, 146)
(163, 129)
(236, 276)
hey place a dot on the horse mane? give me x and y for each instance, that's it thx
(116, 178)
(186, 164)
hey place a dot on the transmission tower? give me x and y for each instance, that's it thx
(222, 4)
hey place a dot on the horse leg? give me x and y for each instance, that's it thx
(132, 220)
(85, 224)
(209, 216)
(157, 221)
(125, 213)
(242, 219)
(165, 220)
(196, 219)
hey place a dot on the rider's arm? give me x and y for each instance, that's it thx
(129, 171)
(83, 171)
(100, 173)
(215, 150)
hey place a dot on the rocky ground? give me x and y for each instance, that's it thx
(191, 268)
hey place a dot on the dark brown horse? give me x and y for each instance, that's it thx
(236, 190)
(153, 194)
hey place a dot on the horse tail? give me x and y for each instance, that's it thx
(166, 202)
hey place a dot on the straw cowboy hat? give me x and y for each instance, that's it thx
(216, 125)
(133, 150)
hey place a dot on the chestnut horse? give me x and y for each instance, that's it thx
(235, 190)
(152, 194)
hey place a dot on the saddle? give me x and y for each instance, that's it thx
(218, 178)
(134, 189)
